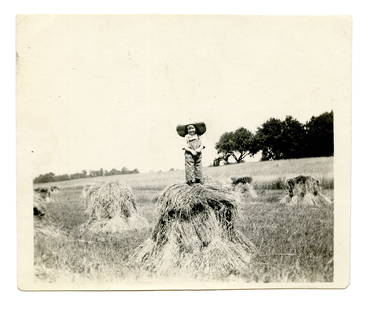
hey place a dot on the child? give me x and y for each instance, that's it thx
(193, 151)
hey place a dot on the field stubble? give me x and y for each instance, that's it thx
(295, 244)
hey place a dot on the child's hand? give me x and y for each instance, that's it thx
(194, 153)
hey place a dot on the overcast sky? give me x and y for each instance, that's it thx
(108, 91)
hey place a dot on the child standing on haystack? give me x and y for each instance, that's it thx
(193, 150)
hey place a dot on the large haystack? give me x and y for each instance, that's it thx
(195, 235)
(111, 208)
(305, 191)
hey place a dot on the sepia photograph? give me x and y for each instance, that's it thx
(162, 152)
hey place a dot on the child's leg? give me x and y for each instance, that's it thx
(198, 168)
(189, 167)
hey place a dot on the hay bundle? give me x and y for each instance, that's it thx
(195, 235)
(305, 191)
(243, 186)
(41, 200)
(111, 208)
(39, 205)
(43, 225)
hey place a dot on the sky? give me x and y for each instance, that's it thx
(108, 91)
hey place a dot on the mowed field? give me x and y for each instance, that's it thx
(295, 244)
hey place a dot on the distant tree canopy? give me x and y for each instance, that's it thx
(320, 135)
(51, 177)
(45, 178)
(237, 144)
(278, 139)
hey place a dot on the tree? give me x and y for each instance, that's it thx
(51, 177)
(278, 139)
(224, 158)
(124, 170)
(45, 178)
(320, 135)
(94, 173)
(293, 138)
(267, 139)
(281, 139)
(237, 144)
(63, 177)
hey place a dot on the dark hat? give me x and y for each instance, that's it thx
(182, 129)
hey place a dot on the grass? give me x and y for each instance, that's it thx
(294, 244)
(319, 167)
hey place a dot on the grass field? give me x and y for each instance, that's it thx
(295, 244)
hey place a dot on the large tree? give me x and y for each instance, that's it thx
(267, 139)
(320, 135)
(278, 139)
(293, 138)
(281, 139)
(237, 144)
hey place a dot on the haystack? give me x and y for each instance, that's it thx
(195, 235)
(243, 186)
(305, 191)
(111, 208)
(43, 224)
(39, 205)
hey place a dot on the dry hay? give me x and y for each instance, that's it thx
(240, 189)
(243, 186)
(43, 225)
(42, 199)
(40, 204)
(111, 208)
(207, 180)
(305, 191)
(195, 235)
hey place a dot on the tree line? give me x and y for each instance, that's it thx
(277, 139)
(51, 177)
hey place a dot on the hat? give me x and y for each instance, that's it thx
(182, 129)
